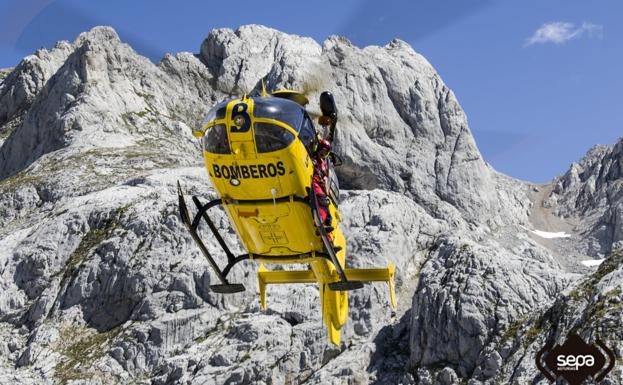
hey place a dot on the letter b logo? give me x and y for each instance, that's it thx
(240, 117)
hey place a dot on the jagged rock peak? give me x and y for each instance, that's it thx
(97, 35)
(95, 94)
(23, 83)
(240, 58)
(592, 188)
(602, 162)
(585, 185)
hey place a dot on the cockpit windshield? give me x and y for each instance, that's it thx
(216, 112)
(269, 137)
(215, 140)
(284, 110)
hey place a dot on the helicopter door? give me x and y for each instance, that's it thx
(334, 184)
(240, 132)
(307, 134)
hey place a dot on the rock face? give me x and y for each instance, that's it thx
(101, 284)
(593, 189)
(103, 95)
(21, 85)
(592, 310)
(462, 293)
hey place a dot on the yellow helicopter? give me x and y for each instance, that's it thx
(258, 152)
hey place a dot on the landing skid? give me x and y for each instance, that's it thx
(228, 289)
(225, 287)
(345, 285)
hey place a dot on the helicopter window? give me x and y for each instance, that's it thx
(307, 135)
(269, 137)
(280, 109)
(215, 140)
(216, 112)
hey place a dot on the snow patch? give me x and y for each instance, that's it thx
(593, 262)
(547, 234)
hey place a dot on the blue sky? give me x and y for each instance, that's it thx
(540, 80)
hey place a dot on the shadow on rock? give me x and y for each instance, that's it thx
(391, 357)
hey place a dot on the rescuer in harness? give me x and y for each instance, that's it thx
(320, 156)
(320, 183)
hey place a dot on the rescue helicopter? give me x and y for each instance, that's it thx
(258, 153)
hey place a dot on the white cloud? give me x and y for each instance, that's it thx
(559, 32)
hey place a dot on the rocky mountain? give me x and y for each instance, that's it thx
(592, 189)
(592, 309)
(101, 284)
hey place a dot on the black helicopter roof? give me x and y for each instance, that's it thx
(284, 110)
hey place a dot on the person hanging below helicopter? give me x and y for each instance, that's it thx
(320, 180)
(320, 183)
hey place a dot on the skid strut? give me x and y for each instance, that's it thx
(224, 287)
(344, 283)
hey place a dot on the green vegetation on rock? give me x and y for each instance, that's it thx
(81, 348)
(90, 241)
(4, 73)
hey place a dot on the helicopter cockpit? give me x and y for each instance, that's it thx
(275, 121)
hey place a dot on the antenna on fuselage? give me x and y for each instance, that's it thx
(264, 93)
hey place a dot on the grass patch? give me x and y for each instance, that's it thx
(20, 179)
(92, 160)
(600, 308)
(128, 117)
(147, 97)
(512, 330)
(90, 241)
(531, 334)
(9, 126)
(5, 133)
(245, 357)
(82, 347)
(4, 73)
